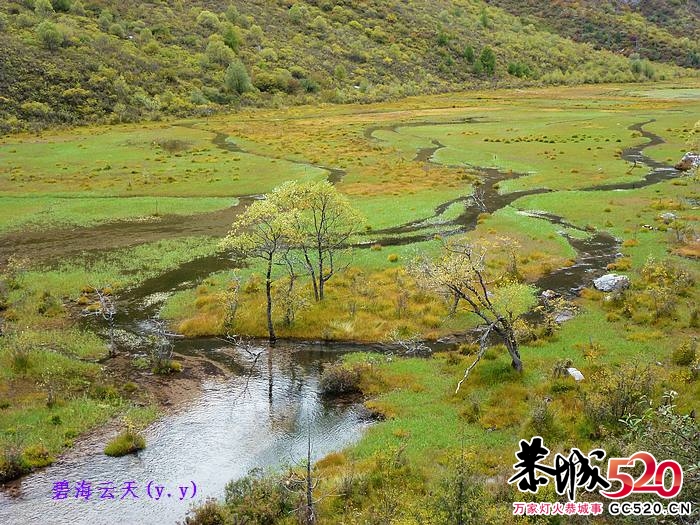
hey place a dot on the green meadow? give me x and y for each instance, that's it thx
(176, 175)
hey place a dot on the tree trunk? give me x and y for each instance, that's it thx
(455, 304)
(512, 346)
(289, 311)
(508, 335)
(312, 273)
(321, 281)
(515, 355)
(268, 290)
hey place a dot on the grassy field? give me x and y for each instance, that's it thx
(27, 212)
(51, 177)
(53, 387)
(564, 140)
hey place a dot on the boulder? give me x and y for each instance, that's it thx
(564, 316)
(689, 161)
(611, 282)
(668, 217)
(548, 295)
(575, 373)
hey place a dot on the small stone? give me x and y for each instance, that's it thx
(563, 316)
(611, 282)
(668, 217)
(575, 373)
(549, 295)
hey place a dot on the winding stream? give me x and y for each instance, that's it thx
(235, 426)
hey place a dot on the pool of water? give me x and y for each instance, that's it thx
(232, 427)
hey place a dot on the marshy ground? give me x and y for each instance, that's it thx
(139, 209)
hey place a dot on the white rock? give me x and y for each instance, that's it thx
(689, 161)
(575, 373)
(563, 316)
(668, 217)
(549, 295)
(611, 282)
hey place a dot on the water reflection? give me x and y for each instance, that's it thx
(233, 427)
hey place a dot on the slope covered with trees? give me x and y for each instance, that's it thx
(660, 30)
(78, 61)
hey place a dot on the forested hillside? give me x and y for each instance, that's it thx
(78, 61)
(661, 30)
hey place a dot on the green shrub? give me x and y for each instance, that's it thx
(50, 35)
(542, 420)
(128, 442)
(232, 14)
(62, 6)
(320, 25)
(130, 387)
(117, 30)
(232, 37)
(472, 411)
(37, 456)
(339, 378)
(208, 20)
(236, 78)
(12, 462)
(210, 512)
(519, 70)
(468, 54)
(166, 367)
(49, 305)
(310, 85)
(77, 8)
(259, 499)
(43, 8)
(461, 494)
(140, 363)
(218, 52)
(615, 394)
(684, 354)
(19, 355)
(488, 61)
(296, 14)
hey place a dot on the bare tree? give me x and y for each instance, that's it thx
(108, 312)
(461, 271)
(477, 199)
(231, 299)
(251, 351)
(306, 483)
(161, 346)
(411, 345)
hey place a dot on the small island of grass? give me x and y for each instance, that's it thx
(125, 443)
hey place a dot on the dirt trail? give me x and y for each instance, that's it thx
(53, 244)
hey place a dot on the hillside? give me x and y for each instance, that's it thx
(80, 61)
(660, 30)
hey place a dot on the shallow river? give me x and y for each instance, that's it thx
(232, 428)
